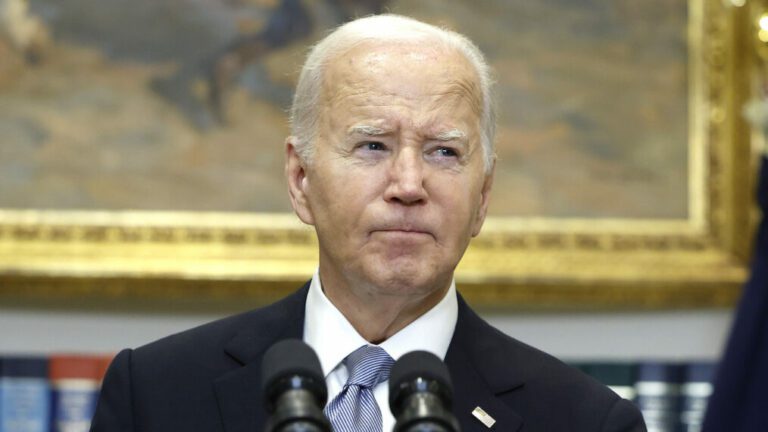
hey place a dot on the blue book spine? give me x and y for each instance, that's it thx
(696, 389)
(73, 404)
(658, 395)
(24, 395)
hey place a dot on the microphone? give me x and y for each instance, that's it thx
(294, 388)
(420, 394)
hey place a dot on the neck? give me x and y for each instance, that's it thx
(376, 314)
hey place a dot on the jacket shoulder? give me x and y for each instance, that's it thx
(169, 384)
(546, 392)
(211, 339)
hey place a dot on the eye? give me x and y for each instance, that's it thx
(373, 146)
(446, 152)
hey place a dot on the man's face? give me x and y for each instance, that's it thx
(397, 185)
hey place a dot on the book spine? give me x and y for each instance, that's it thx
(24, 395)
(658, 395)
(73, 402)
(695, 394)
(75, 383)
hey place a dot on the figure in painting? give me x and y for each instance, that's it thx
(289, 22)
(23, 36)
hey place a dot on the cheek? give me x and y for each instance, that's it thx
(341, 197)
(460, 202)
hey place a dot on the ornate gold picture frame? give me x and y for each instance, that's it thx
(236, 258)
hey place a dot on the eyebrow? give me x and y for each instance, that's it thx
(366, 130)
(450, 135)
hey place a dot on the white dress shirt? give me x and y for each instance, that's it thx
(333, 338)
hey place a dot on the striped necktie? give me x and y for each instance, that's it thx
(355, 408)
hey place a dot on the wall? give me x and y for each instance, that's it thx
(667, 335)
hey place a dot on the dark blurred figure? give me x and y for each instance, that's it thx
(740, 399)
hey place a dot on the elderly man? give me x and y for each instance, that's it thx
(391, 160)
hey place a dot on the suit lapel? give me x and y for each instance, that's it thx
(478, 374)
(239, 392)
(475, 363)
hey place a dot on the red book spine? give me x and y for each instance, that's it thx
(75, 383)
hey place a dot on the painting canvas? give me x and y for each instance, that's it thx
(181, 104)
(141, 150)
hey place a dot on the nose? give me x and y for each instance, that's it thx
(406, 178)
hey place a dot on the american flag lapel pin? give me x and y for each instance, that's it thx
(484, 417)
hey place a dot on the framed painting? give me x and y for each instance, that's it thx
(142, 150)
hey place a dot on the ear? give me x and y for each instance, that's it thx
(298, 183)
(485, 195)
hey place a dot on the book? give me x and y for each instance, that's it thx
(24, 394)
(695, 392)
(75, 382)
(658, 395)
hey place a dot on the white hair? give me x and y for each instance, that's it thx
(305, 110)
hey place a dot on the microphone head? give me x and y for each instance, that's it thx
(419, 371)
(292, 364)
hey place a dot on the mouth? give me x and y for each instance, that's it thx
(403, 231)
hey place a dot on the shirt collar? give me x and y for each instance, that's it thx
(333, 338)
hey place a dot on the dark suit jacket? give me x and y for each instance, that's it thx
(207, 379)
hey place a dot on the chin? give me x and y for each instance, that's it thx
(408, 279)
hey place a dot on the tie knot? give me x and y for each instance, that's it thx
(368, 366)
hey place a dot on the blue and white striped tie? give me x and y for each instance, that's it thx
(355, 408)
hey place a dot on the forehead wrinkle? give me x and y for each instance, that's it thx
(460, 92)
